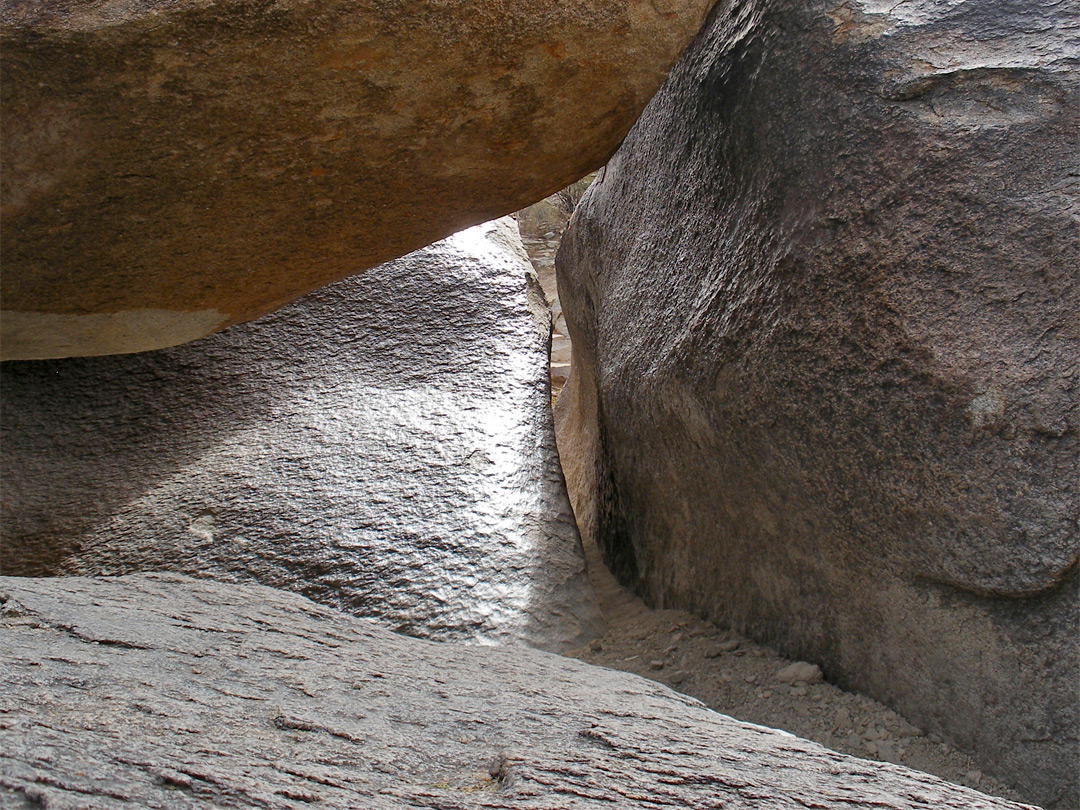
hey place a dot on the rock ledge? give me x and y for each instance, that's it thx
(164, 691)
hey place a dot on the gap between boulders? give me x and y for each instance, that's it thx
(716, 665)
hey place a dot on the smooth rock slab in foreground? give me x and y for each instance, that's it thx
(162, 691)
(383, 446)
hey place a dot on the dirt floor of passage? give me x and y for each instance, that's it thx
(735, 676)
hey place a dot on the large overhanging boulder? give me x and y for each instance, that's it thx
(824, 308)
(167, 692)
(382, 445)
(170, 168)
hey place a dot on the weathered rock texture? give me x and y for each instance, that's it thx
(823, 304)
(383, 445)
(161, 691)
(172, 167)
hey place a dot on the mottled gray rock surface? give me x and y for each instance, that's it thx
(823, 305)
(383, 445)
(170, 167)
(162, 691)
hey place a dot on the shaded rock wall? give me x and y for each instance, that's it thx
(171, 167)
(162, 691)
(823, 304)
(383, 445)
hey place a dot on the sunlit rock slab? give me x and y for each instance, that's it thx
(826, 349)
(163, 691)
(171, 167)
(383, 445)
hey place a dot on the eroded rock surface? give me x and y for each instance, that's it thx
(163, 691)
(170, 168)
(383, 445)
(823, 308)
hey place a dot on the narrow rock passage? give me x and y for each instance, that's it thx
(541, 227)
(724, 670)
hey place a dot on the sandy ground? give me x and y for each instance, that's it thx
(737, 677)
(731, 674)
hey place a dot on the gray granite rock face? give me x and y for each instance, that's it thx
(383, 445)
(163, 691)
(823, 304)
